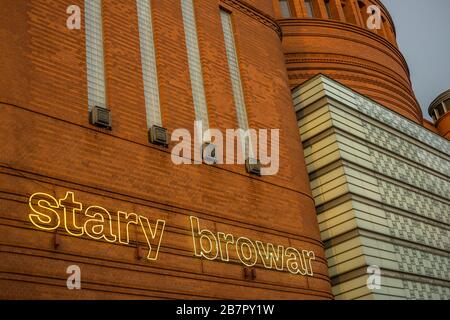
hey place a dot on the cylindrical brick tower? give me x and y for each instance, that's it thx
(439, 110)
(332, 37)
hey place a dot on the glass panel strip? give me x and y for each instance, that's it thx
(94, 54)
(195, 67)
(148, 60)
(235, 73)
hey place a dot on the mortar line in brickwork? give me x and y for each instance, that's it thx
(175, 273)
(88, 288)
(17, 274)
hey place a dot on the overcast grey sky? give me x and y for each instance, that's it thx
(423, 34)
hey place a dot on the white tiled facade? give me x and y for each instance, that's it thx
(382, 189)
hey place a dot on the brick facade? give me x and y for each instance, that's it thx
(49, 146)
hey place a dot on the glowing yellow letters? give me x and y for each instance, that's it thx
(48, 213)
(154, 237)
(98, 223)
(216, 247)
(44, 215)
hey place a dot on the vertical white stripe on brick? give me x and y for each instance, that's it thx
(148, 58)
(236, 81)
(195, 67)
(94, 54)
(235, 73)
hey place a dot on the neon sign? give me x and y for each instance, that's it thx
(249, 253)
(48, 214)
(98, 224)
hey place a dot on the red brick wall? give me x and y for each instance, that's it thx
(49, 146)
(443, 125)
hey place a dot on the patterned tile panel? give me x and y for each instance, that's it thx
(424, 291)
(402, 124)
(423, 263)
(413, 202)
(401, 147)
(416, 231)
(404, 172)
(420, 185)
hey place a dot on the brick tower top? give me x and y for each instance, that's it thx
(439, 110)
(340, 39)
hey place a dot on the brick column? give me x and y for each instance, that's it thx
(322, 10)
(336, 10)
(298, 8)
